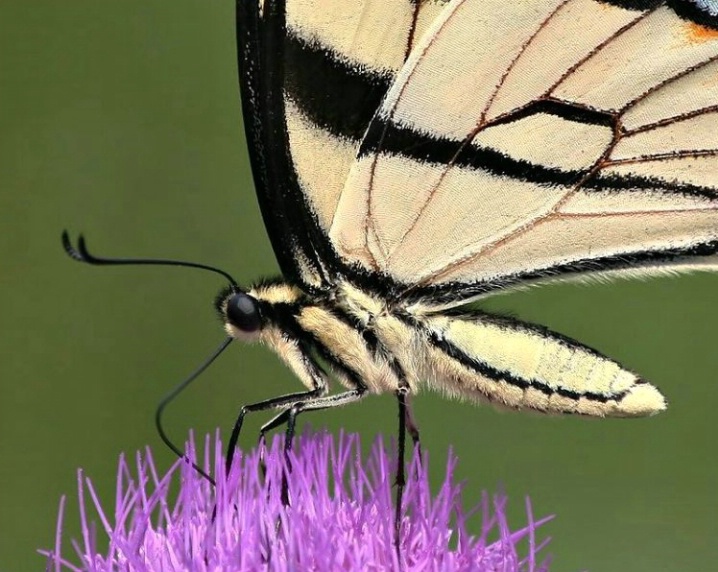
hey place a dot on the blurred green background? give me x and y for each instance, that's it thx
(122, 120)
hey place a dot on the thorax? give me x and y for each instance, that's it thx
(360, 336)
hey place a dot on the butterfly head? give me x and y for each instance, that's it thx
(242, 314)
(249, 314)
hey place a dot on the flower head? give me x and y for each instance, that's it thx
(340, 516)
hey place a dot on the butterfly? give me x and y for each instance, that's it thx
(412, 157)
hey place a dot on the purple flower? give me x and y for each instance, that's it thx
(340, 517)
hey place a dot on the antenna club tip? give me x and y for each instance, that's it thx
(78, 253)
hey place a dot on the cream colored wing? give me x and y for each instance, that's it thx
(528, 140)
(313, 73)
(342, 58)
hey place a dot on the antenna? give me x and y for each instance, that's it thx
(81, 254)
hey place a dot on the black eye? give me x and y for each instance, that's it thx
(243, 312)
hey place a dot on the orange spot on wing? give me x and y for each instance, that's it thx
(697, 34)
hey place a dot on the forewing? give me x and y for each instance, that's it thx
(529, 140)
(313, 73)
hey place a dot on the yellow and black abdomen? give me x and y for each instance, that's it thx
(514, 365)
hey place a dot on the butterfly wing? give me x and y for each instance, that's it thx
(312, 75)
(530, 140)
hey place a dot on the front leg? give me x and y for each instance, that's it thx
(271, 403)
(289, 415)
(308, 371)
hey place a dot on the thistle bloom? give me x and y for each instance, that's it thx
(340, 516)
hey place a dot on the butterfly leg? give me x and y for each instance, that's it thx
(272, 403)
(411, 425)
(406, 422)
(307, 370)
(289, 416)
(262, 406)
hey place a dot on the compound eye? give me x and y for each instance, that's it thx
(243, 312)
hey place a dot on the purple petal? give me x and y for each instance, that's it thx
(340, 516)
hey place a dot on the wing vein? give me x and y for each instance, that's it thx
(560, 201)
(530, 224)
(666, 82)
(599, 47)
(572, 216)
(671, 120)
(481, 124)
(512, 65)
(693, 153)
(372, 173)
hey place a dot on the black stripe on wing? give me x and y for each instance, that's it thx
(332, 92)
(454, 293)
(390, 138)
(385, 136)
(609, 183)
(634, 4)
(701, 12)
(424, 148)
(294, 232)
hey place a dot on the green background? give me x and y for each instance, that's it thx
(122, 120)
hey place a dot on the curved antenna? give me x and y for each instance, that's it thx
(167, 399)
(81, 254)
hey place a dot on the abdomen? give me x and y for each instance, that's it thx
(514, 365)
